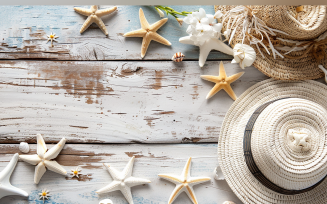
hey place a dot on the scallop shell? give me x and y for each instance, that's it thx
(228, 202)
(178, 57)
(106, 201)
(24, 147)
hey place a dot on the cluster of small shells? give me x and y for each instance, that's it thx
(178, 57)
(23, 147)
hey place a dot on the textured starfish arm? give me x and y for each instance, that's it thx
(86, 24)
(6, 172)
(221, 47)
(113, 172)
(190, 193)
(127, 172)
(172, 178)
(197, 180)
(234, 77)
(83, 11)
(230, 92)
(214, 79)
(159, 38)
(214, 90)
(204, 52)
(154, 27)
(136, 33)
(186, 170)
(41, 146)
(144, 23)
(55, 167)
(11, 190)
(145, 44)
(114, 186)
(132, 181)
(31, 159)
(175, 193)
(54, 151)
(186, 40)
(39, 171)
(101, 25)
(126, 191)
(104, 12)
(222, 72)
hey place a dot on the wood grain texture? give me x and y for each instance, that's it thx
(114, 102)
(150, 161)
(23, 31)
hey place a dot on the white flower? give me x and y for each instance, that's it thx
(244, 55)
(160, 12)
(218, 14)
(44, 195)
(202, 26)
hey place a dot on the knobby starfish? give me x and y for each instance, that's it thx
(6, 188)
(148, 33)
(123, 181)
(94, 16)
(222, 82)
(184, 183)
(44, 159)
(211, 44)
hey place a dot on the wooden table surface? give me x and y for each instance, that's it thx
(109, 103)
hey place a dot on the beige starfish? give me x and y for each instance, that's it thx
(184, 183)
(94, 16)
(222, 82)
(148, 33)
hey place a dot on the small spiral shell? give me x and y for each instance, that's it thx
(178, 57)
(24, 147)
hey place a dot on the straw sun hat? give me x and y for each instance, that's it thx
(298, 37)
(273, 143)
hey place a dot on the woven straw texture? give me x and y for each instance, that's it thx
(311, 24)
(280, 158)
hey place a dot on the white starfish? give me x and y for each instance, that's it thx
(211, 44)
(94, 16)
(5, 187)
(123, 181)
(184, 183)
(44, 159)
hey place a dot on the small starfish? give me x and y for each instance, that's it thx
(222, 82)
(44, 195)
(75, 172)
(94, 16)
(211, 44)
(52, 37)
(123, 181)
(148, 33)
(44, 158)
(6, 188)
(184, 183)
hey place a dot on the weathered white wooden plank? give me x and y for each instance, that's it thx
(23, 31)
(113, 102)
(150, 161)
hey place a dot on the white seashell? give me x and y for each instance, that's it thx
(324, 70)
(24, 147)
(244, 55)
(178, 57)
(218, 174)
(228, 202)
(106, 201)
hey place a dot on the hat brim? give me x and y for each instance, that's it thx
(230, 144)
